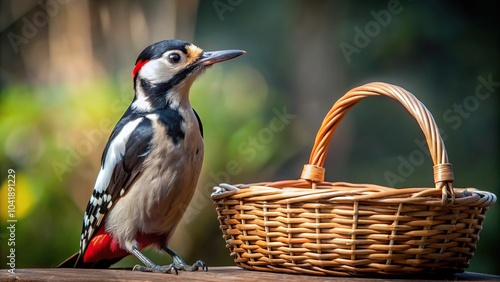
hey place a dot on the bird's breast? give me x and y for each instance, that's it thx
(172, 169)
(161, 193)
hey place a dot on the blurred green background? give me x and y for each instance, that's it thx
(65, 80)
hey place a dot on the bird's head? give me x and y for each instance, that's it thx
(165, 71)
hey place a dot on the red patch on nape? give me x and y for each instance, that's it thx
(138, 67)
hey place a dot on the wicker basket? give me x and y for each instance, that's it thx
(323, 228)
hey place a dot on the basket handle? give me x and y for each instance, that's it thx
(443, 171)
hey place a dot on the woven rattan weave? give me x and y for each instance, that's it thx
(317, 227)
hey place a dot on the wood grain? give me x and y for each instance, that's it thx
(230, 273)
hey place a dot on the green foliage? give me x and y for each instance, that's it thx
(49, 136)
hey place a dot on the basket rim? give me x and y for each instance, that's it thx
(298, 191)
(312, 177)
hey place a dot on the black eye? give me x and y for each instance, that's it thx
(174, 58)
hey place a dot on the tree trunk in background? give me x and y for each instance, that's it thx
(317, 76)
(78, 41)
(71, 55)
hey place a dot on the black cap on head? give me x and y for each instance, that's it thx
(156, 50)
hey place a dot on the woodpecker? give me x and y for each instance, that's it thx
(150, 164)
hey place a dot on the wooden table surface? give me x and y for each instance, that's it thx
(227, 273)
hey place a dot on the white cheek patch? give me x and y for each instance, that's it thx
(141, 101)
(156, 71)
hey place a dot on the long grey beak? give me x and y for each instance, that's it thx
(210, 58)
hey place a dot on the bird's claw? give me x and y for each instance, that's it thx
(223, 188)
(172, 268)
(179, 264)
(195, 267)
(202, 265)
(157, 268)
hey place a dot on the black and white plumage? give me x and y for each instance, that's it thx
(151, 163)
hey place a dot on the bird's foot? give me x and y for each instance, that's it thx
(172, 268)
(194, 267)
(157, 268)
(179, 264)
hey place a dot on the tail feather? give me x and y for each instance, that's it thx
(70, 262)
(75, 261)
